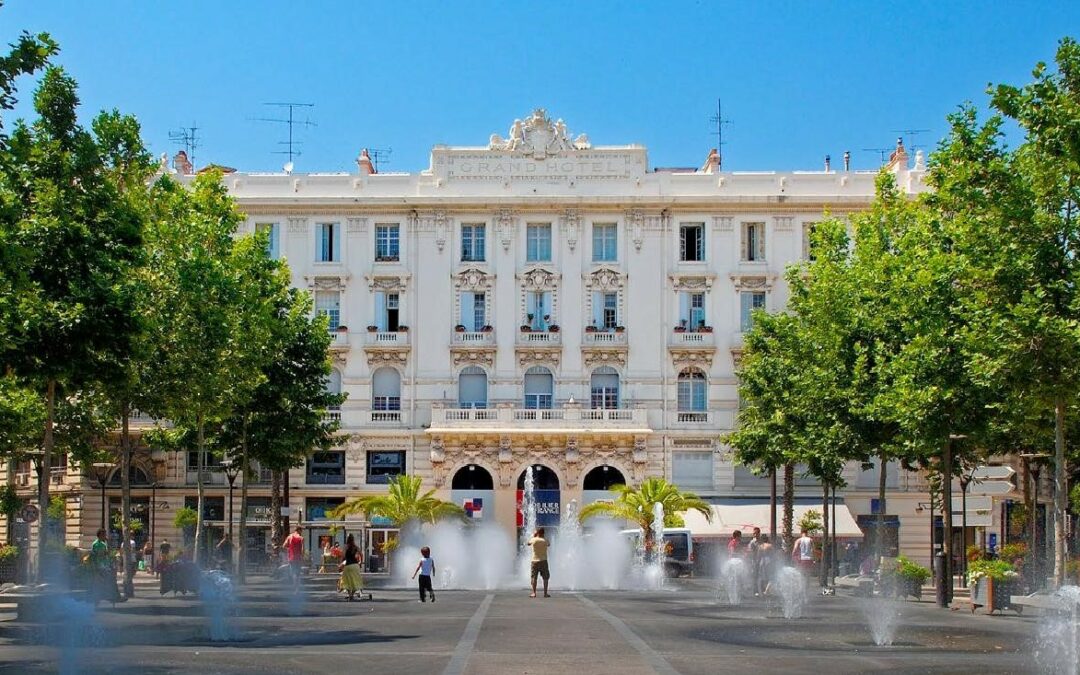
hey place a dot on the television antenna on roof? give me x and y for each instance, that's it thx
(909, 137)
(719, 121)
(290, 143)
(883, 152)
(379, 156)
(187, 137)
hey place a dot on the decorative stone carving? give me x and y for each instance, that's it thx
(505, 224)
(736, 357)
(329, 282)
(752, 282)
(438, 451)
(692, 358)
(539, 279)
(378, 358)
(473, 356)
(571, 222)
(537, 137)
(505, 450)
(473, 279)
(603, 356)
(605, 279)
(783, 223)
(387, 282)
(539, 357)
(356, 225)
(641, 452)
(723, 224)
(692, 282)
(442, 226)
(298, 225)
(572, 453)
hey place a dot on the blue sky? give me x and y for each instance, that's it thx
(798, 80)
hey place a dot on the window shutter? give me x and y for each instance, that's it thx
(682, 243)
(468, 310)
(380, 311)
(746, 305)
(744, 252)
(759, 241)
(545, 308)
(684, 307)
(335, 237)
(598, 308)
(275, 232)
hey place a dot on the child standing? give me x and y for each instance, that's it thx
(426, 569)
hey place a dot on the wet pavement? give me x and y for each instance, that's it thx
(672, 631)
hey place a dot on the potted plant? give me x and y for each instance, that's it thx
(706, 329)
(590, 329)
(9, 558)
(460, 328)
(373, 328)
(554, 328)
(992, 584)
(342, 328)
(681, 328)
(487, 329)
(909, 578)
(403, 329)
(620, 329)
(547, 318)
(526, 328)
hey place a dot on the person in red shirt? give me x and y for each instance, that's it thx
(294, 549)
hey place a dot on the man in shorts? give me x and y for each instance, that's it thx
(539, 566)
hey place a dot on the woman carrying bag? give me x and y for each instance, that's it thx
(351, 580)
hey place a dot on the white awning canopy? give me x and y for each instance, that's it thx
(746, 515)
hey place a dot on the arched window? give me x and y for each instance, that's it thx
(543, 478)
(472, 477)
(692, 391)
(386, 390)
(539, 387)
(604, 386)
(472, 387)
(603, 478)
(333, 385)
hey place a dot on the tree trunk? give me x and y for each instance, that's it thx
(882, 480)
(825, 562)
(789, 506)
(275, 509)
(285, 500)
(241, 563)
(946, 512)
(45, 475)
(1059, 492)
(125, 501)
(10, 484)
(772, 504)
(200, 465)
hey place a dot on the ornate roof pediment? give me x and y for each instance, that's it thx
(387, 282)
(473, 279)
(605, 278)
(539, 278)
(538, 137)
(692, 282)
(747, 282)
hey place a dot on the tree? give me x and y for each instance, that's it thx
(637, 504)
(403, 504)
(72, 321)
(211, 343)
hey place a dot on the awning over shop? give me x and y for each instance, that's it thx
(745, 515)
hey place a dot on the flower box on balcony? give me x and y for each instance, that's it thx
(403, 329)
(459, 328)
(620, 329)
(705, 329)
(590, 329)
(554, 328)
(680, 329)
(487, 329)
(343, 329)
(373, 329)
(526, 329)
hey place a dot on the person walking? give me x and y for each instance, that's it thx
(294, 550)
(351, 579)
(802, 554)
(539, 564)
(104, 572)
(766, 566)
(752, 554)
(426, 569)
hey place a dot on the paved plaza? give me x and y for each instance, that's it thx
(685, 630)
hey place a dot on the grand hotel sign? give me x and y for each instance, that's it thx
(538, 149)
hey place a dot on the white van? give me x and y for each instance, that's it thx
(678, 549)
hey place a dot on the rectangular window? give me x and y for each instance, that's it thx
(329, 242)
(381, 466)
(692, 242)
(273, 233)
(611, 311)
(209, 461)
(807, 240)
(604, 242)
(692, 395)
(385, 403)
(326, 468)
(316, 508)
(605, 397)
(753, 242)
(473, 315)
(538, 309)
(213, 507)
(692, 469)
(472, 243)
(387, 243)
(329, 303)
(387, 311)
(691, 310)
(538, 242)
(749, 301)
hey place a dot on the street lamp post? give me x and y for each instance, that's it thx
(101, 472)
(965, 480)
(232, 470)
(1035, 468)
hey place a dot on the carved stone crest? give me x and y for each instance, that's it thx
(539, 357)
(504, 224)
(571, 221)
(537, 136)
(539, 279)
(379, 358)
(388, 282)
(688, 282)
(751, 283)
(692, 358)
(605, 279)
(603, 356)
(473, 356)
(473, 279)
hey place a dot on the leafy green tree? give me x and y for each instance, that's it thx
(404, 503)
(637, 504)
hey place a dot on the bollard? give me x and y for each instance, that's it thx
(940, 582)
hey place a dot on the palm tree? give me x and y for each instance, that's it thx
(636, 505)
(403, 504)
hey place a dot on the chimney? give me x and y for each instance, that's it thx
(182, 164)
(712, 162)
(364, 162)
(898, 160)
(828, 163)
(847, 160)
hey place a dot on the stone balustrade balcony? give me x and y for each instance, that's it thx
(692, 340)
(386, 339)
(470, 338)
(569, 419)
(604, 339)
(539, 339)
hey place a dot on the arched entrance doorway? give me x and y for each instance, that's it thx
(598, 481)
(545, 495)
(473, 489)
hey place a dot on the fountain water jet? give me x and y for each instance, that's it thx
(790, 585)
(882, 616)
(218, 601)
(528, 510)
(1057, 645)
(654, 569)
(733, 579)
